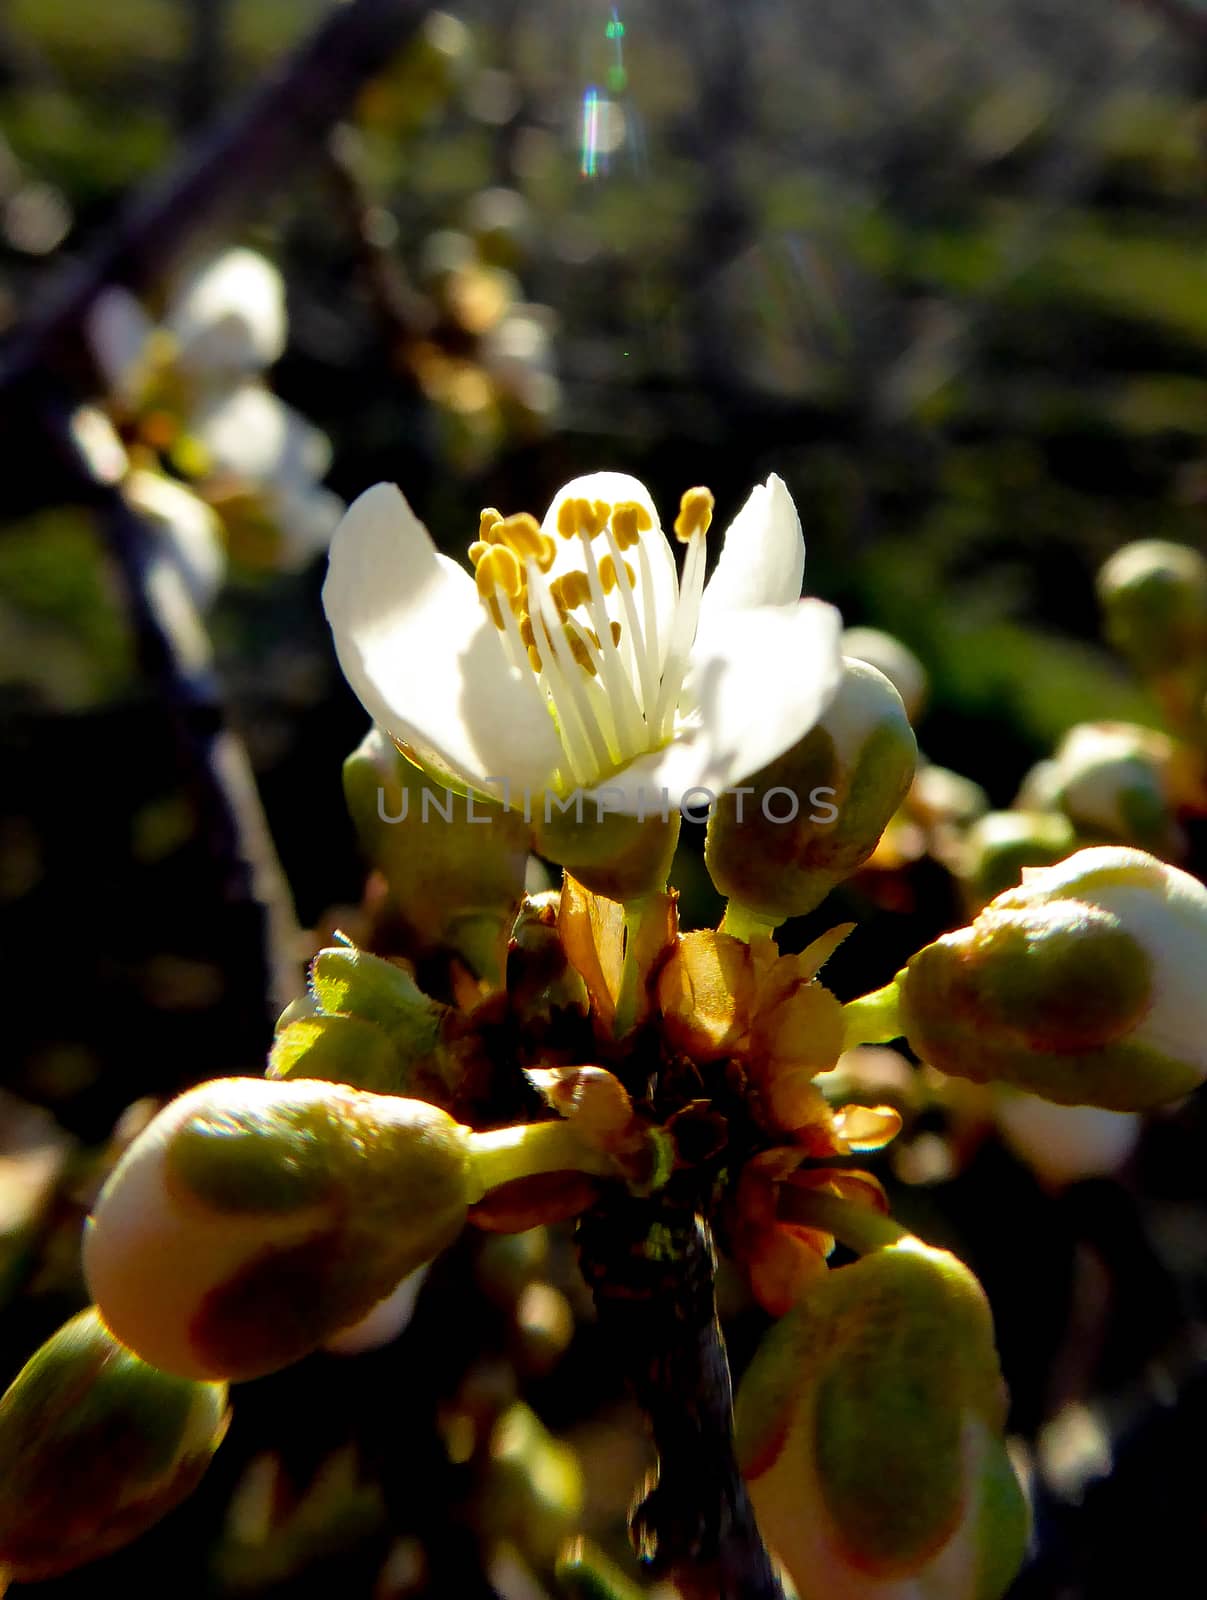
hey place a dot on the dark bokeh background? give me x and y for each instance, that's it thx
(943, 266)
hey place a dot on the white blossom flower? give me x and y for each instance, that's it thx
(226, 320)
(190, 389)
(250, 439)
(576, 657)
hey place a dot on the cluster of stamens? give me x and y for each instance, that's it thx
(610, 682)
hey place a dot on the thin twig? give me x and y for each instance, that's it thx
(403, 313)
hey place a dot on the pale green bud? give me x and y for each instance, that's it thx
(888, 655)
(1112, 781)
(613, 854)
(1062, 1144)
(95, 1447)
(534, 1491)
(816, 813)
(869, 1429)
(251, 1220)
(996, 848)
(1084, 985)
(455, 865)
(939, 797)
(1154, 600)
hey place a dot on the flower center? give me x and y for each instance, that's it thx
(580, 620)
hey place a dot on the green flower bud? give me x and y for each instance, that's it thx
(534, 1490)
(1062, 1144)
(888, 655)
(816, 813)
(95, 1447)
(615, 855)
(454, 864)
(251, 1220)
(869, 1429)
(1112, 781)
(1084, 985)
(941, 798)
(998, 846)
(1154, 601)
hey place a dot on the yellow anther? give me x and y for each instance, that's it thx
(628, 521)
(488, 521)
(695, 514)
(477, 550)
(567, 518)
(499, 568)
(580, 652)
(534, 658)
(522, 533)
(570, 590)
(615, 631)
(607, 574)
(597, 518)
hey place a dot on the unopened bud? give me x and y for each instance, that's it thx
(1154, 600)
(898, 663)
(1062, 1144)
(454, 865)
(1112, 780)
(869, 1429)
(996, 848)
(1084, 985)
(95, 1447)
(817, 813)
(534, 1490)
(251, 1220)
(621, 857)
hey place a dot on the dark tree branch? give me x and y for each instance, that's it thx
(173, 655)
(403, 313)
(650, 1265)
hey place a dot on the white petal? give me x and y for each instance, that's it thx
(421, 654)
(762, 561)
(756, 685)
(191, 530)
(230, 315)
(253, 436)
(1065, 1143)
(615, 488)
(118, 330)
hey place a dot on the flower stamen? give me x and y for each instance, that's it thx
(610, 688)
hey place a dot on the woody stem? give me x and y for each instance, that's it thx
(650, 1265)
